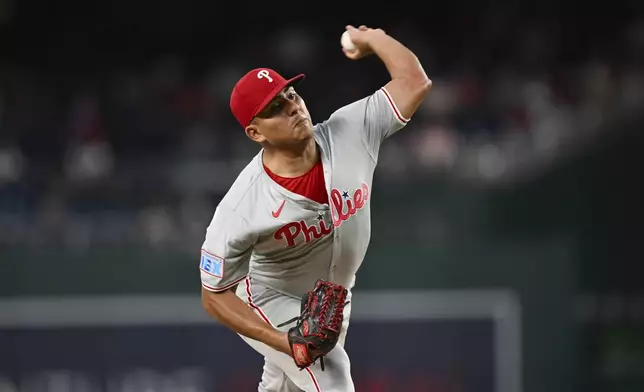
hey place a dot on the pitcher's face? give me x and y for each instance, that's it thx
(284, 121)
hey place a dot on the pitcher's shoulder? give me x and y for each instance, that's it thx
(321, 130)
(341, 126)
(244, 189)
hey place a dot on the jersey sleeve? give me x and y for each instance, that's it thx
(375, 117)
(226, 251)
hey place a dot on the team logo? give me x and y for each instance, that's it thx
(264, 74)
(343, 206)
(353, 203)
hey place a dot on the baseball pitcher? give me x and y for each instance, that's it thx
(280, 256)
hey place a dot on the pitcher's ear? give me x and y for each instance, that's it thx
(252, 131)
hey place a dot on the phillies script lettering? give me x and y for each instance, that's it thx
(343, 207)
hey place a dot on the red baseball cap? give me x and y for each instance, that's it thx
(254, 91)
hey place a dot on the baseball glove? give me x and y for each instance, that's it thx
(319, 324)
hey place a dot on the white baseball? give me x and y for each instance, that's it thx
(346, 42)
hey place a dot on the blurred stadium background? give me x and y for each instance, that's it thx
(507, 247)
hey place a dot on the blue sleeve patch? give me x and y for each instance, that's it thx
(211, 264)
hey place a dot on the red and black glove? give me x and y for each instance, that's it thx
(319, 325)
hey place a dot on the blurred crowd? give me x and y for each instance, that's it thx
(142, 151)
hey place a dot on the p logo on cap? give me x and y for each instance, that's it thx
(255, 90)
(264, 74)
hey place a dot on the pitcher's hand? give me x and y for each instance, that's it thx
(360, 37)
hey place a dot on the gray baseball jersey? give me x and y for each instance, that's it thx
(284, 242)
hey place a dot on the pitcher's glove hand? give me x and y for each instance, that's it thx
(319, 324)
